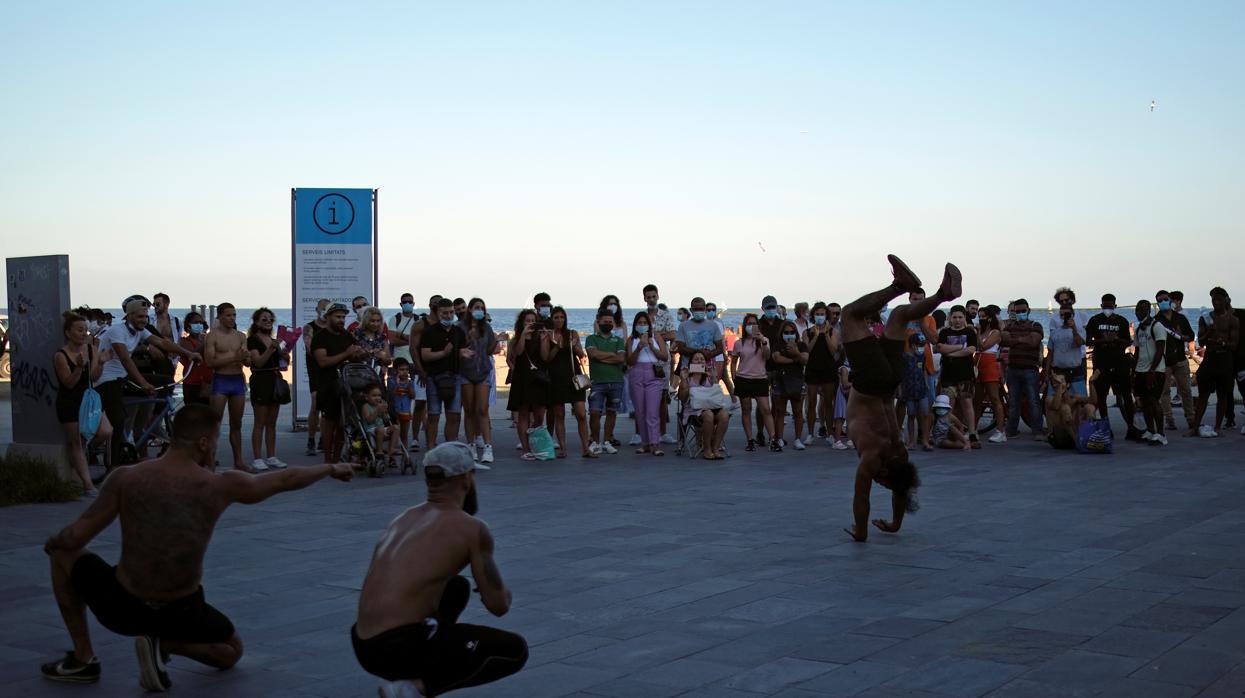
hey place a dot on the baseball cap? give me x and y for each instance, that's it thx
(769, 302)
(335, 308)
(454, 458)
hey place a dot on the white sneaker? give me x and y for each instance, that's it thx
(998, 438)
(1206, 432)
(798, 444)
(487, 457)
(1160, 439)
(259, 465)
(275, 462)
(849, 443)
(1242, 430)
(840, 446)
(399, 689)
(1147, 436)
(635, 440)
(808, 439)
(518, 447)
(479, 442)
(668, 439)
(608, 448)
(594, 448)
(830, 441)
(414, 445)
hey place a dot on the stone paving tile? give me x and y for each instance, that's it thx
(1025, 573)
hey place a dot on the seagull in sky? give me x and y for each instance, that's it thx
(761, 246)
(1153, 104)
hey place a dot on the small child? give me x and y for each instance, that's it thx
(402, 395)
(376, 421)
(916, 392)
(841, 442)
(947, 431)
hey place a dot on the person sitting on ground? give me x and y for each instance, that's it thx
(947, 431)
(407, 631)
(701, 391)
(877, 369)
(1074, 421)
(168, 509)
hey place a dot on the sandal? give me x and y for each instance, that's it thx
(590, 454)
(529, 456)
(658, 452)
(641, 451)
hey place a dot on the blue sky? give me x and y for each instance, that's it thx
(586, 148)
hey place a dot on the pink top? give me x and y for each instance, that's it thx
(751, 362)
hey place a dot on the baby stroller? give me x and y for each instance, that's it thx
(356, 380)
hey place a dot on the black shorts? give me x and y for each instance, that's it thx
(877, 365)
(751, 388)
(329, 404)
(188, 619)
(1116, 380)
(445, 655)
(1215, 373)
(313, 374)
(1144, 390)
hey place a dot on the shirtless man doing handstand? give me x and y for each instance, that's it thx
(877, 370)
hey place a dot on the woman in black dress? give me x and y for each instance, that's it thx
(267, 355)
(529, 392)
(821, 374)
(76, 364)
(563, 353)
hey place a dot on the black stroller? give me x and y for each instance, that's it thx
(356, 380)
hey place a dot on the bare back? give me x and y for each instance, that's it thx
(418, 554)
(168, 513)
(872, 427)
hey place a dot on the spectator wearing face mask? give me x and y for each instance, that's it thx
(790, 357)
(958, 345)
(770, 327)
(1176, 356)
(1108, 335)
(1149, 372)
(606, 359)
(1067, 344)
(197, 386)
(313, 375)
(821, 374)
(990, 371)
(748, 359)
(664, 329)
(1022, 338)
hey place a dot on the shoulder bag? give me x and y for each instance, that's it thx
(579, 381)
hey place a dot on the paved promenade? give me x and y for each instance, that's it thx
(1026, 573)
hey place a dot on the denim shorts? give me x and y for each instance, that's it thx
(605, 396)
(452, 403)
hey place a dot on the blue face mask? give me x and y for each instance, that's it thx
(196, 328)
(698, 315)
(771, 313)
(408, 307)
(641, 329)
(477, 314)
(750, 330)
(447, 321)
(1164, 306)
(1022, 316)
(942, 412)
(544, 310)
(788, 338)
(819, 319)
(711, 314)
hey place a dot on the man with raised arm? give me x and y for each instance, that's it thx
(877, 370)
(408, 631)
(168, 509)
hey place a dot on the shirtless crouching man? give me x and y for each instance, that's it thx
(876, 371)
(408, 631)
(168, 509)
(225, 353)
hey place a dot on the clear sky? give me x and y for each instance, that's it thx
(588, 147)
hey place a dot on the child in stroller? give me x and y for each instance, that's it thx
(376, 422)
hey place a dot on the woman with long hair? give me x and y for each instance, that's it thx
(477, 372)
(748, 359)
(529, 388)
(645, 356)
(701, 391)
(77, 365)
(564, 354)
(821, 373)
(267, 355)
(788, 384)
(989, 370)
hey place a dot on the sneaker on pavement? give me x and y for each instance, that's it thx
(414, 444)
(808, 439)
(1206, 432)
(635, 441)
(151, 672)
(609, 447)
(399, 689)
(518, 447)
(594, 448)
(311, 449)
(487, 456)
(258, 465)
(479, 442)
(998, 438)
(798, 444)
(70, 670)
(1146, 436)
(1160, 440)
(668, 439)
(275, 462)
(839, 446)
(830, 441)
(1243, 431)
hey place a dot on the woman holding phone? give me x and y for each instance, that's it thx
(645, 360)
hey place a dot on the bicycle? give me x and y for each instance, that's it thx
(159, 427)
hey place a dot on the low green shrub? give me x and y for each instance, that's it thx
(27, 480)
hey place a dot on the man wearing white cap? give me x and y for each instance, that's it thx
(407, 630)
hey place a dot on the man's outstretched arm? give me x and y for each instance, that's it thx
(252, 489)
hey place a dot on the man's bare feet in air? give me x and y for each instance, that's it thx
(885, 525)
(952, 280)
(905, 279)
(851, 531)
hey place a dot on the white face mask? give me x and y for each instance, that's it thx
(1108, 311)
